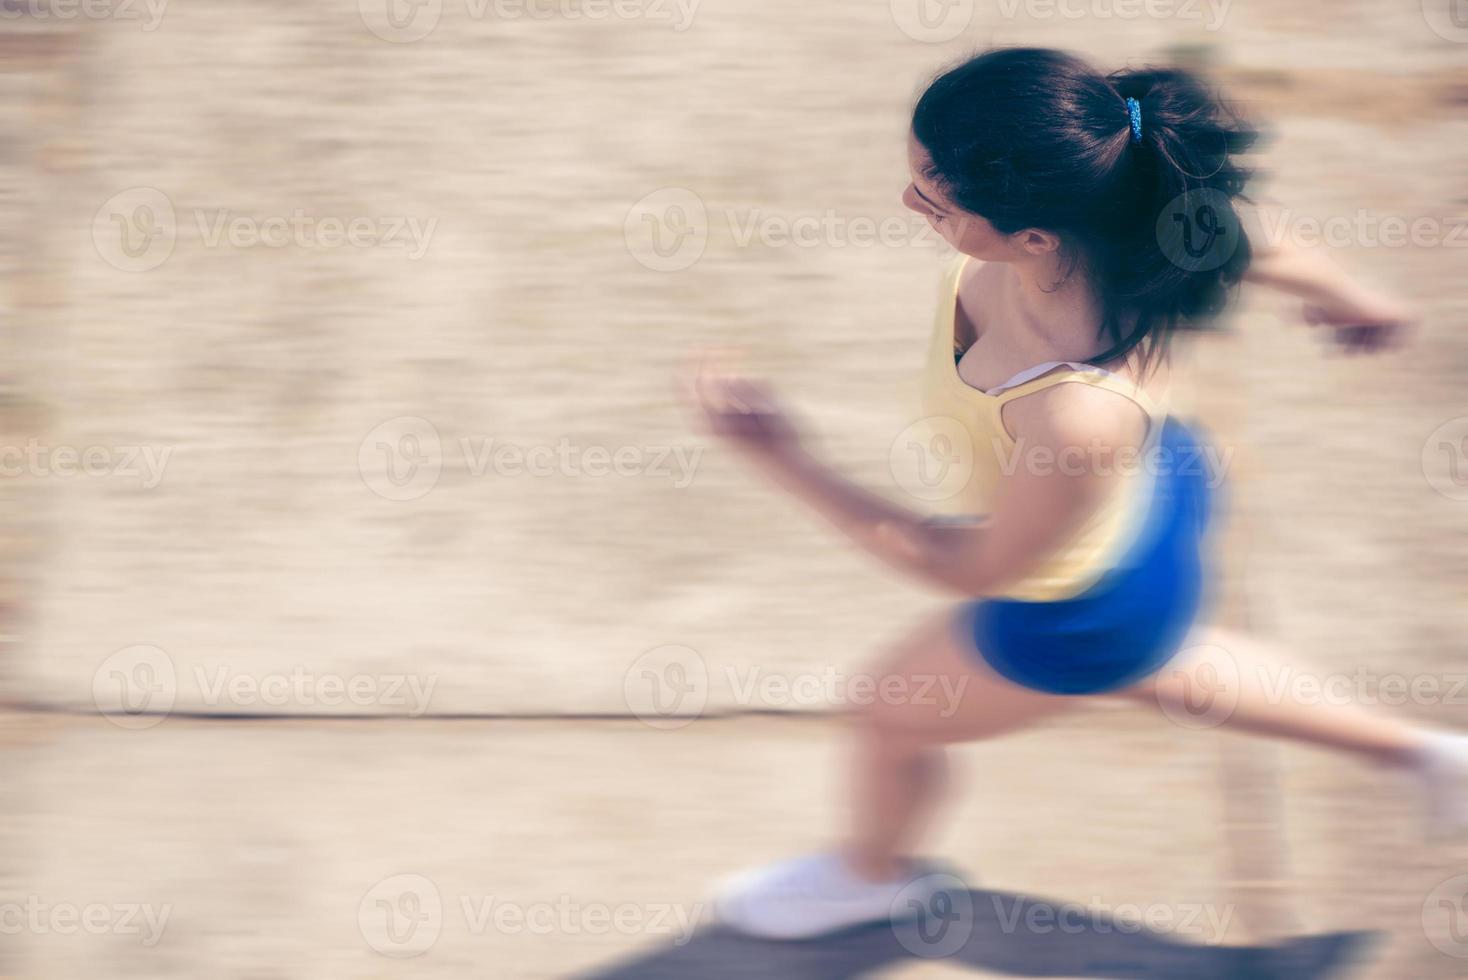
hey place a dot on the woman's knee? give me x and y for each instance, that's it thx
(885, 713)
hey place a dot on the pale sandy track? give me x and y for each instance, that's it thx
(529, 321)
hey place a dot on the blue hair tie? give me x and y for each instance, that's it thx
(1134, 112)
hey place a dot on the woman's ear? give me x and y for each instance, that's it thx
(1033, 241)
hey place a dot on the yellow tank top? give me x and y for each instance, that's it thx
(1100, 542)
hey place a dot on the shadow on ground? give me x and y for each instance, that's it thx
(997, 932)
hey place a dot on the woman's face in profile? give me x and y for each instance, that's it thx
(964, 230)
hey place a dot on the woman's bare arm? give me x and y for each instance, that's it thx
(1363, 317)
(1038, 507)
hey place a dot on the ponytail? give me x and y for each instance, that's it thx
(1135, 172)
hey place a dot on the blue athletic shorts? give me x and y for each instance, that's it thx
(1134, 619)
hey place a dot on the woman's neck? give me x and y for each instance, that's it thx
(1056, 312)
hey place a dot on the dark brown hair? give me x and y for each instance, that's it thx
(1036, 138)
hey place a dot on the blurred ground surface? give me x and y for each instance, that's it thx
(529, 320)
(272, 842)
(529, 323)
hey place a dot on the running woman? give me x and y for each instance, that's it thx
(1080, 581)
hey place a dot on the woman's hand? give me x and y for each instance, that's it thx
(1363, 322)
(746, 414)
(743, 412)
(1361, 318)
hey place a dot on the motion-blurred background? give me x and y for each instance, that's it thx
(359, 562)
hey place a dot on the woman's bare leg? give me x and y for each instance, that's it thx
(932, 690)
(1225, 678)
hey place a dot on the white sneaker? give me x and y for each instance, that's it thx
(1443, 769)
(806, 897)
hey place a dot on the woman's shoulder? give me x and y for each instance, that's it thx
(1077, 414)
